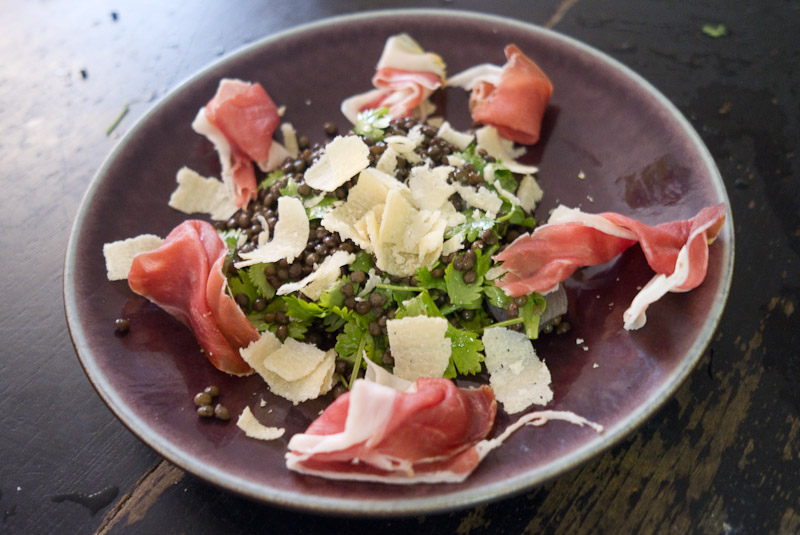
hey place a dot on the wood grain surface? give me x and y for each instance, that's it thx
(721, 457)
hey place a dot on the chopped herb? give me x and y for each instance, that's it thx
(258, 277)
(321, 208)
(118, 120)
(715, 30)
(372, 123)
(466, 354)
(363, 262)
(271, 179)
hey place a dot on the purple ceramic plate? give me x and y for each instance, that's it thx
(639, 156)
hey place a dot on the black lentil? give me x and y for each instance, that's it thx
(221, 413)
(202, 399)
(206, 411)
(122, 326)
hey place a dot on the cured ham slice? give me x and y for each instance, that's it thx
(405, 77)
(239, 120)
(433, 432)
(512, 98)
(184, 277)
(677, 251)
(377, 433)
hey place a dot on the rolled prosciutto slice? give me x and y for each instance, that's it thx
(239, 120)
(376, 433)
(512, 98)
(677, 251)
(405, 77)
(184, 277)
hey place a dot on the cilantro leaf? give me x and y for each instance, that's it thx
(372, 123)
(461, 294)
(495, 296)
(363, 262)
(421, 305)
(348, 341)
(426, 280)
(290, 189)
(258, 277)
(466, 353)
(318, 211)
(506, 179)
(530, 313)
(271, 179)
(472, 227)
(715, 30)
(241, 284)
(303, 311)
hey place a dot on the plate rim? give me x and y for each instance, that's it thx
(458, 499)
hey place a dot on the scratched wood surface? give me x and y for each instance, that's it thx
(722, 456)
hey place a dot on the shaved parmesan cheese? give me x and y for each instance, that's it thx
(292, 370)
(289, 237)
(500, 149)
(321, 279)
(419, 346)
(481, 198)
(429, 187)
(344, 157)
(462, 140)
(453, 244)
(254, 429)
(204, 127)
(119, 254)
(388, 161)
(277, 155)
(198, 194)
(517, 376)
(529, 193)
(290, 139)
(407, 238)
(293, 360)
(369, 192)
(469, 78)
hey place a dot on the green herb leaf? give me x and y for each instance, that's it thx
(715, 30)
(472, 227)
(495, 296)
(258, 277)
(271, 179)
(303, 311)
(506, 179)
(372, 123)
(428, 281)
(363, 262)
(348, 341)
(461, 294)
(290, 189)
(421, 305)
(466, 353)
(319, 210)
(531, 313)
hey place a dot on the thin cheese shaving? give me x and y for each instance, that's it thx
(321, 279)
(290, 139)
(500, 149)
(481, 198)
(517, 376)
(289, 237)
(529, 193)
(254, 429)
(119, 254)
(198, 194)
(419, 346)
(344, 158)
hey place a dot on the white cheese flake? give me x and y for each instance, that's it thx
(429, 187)
(289, 236)
(343, 158)
(481, 198)
(293, 370)
(500, 149)
(517, 376)
(321, 279)
(529, 193)
(277, 155)
(198, 194)
(461, 140)
(290, 139)
(119, 254)
(419, 346)
(248, 423)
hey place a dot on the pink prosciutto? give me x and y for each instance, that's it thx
(246, 117)
(405, 77)
(677, 251)
(512, 99)
(376, 433)
(184, 277)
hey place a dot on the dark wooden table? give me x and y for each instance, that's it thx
(723, 456)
